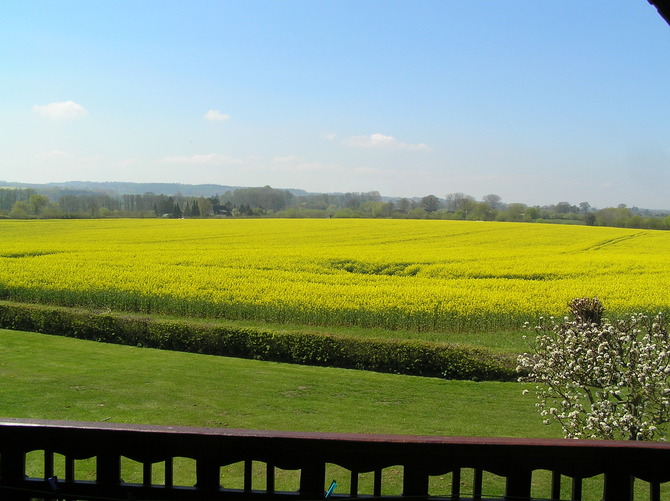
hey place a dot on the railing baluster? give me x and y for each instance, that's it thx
(48, 464)
(377, 488)
(48, 467)
(270, 478)
(69, 469)
(556, 485)
(477, 484)
(147, 474)
(654, 491)
(456, 484)
(576, 489)
(353, 490)
(248, 475)
(169, 472)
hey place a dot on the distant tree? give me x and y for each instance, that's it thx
(403, 205)
(494, 201)
(375, 209)
(20, 210)
(513, 212)
(388, 208)
(565, 208)
(187, 210)
(531, 213)
(610, 216)
(466, 208)
(417, 213)
(584, 207)
(454, 202)
(589, 219)
(37, 203)
(195, 209)
(164, 205)
(430, 203)
(176, 212)
(481, 211)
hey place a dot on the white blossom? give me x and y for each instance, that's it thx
(602, 379)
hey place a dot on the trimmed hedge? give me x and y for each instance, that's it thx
(417, 358)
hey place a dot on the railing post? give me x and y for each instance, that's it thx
(108, 469)
(414, 482)
(618, 486)
(207, 474)
(313, 480)
(518, 485)
(12, 473)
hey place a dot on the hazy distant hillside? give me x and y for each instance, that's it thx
(121, 188)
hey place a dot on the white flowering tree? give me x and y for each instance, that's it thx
(601, 379)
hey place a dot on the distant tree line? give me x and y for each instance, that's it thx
(25, 203)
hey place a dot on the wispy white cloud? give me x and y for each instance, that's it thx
(216, 115)
(296, 165)
(53, 154)
(66, 110)
(382, 141)
(370, 170)
(209, 158)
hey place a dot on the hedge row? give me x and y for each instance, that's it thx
(417, 358)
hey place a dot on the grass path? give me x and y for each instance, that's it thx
(52, 377)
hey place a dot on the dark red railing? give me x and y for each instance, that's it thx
(416, 460)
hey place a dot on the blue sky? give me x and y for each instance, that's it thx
(536, 101)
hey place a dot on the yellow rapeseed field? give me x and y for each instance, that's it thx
(400, 274)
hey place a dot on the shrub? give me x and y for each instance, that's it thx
(602, 379)
(417, 358)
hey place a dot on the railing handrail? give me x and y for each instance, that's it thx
(421, 456)
(316, 435)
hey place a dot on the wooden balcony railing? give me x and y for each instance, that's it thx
(40, 460)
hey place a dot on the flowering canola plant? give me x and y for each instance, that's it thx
(397, 274)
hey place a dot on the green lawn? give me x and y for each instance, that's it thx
(53, 377)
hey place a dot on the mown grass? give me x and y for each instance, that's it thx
(52, 377)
